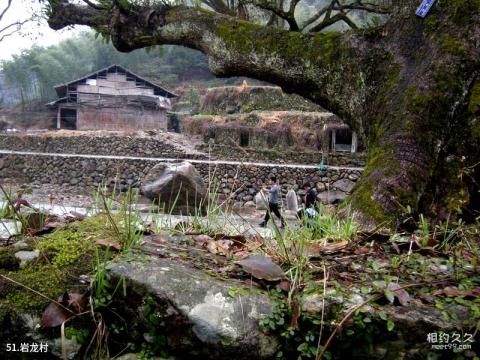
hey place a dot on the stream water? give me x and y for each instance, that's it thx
(229, 223)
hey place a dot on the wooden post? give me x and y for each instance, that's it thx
(58, 117)
(354, 142)
(334, 140)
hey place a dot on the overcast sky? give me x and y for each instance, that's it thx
(34, 34)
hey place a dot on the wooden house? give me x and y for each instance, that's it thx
(113, 98)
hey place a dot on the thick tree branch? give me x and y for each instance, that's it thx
(325, 68)
(326, 10)
(63, 14)
(97, 6)
(332, 20)
(220, 7)
(359, 5)
(277, 9)
(340, 10)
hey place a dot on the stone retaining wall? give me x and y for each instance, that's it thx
(243, 181)
(95, 145)
(226, 152)
(152, 146)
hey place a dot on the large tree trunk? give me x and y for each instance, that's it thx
(409, 88)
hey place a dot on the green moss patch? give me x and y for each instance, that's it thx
(8, 261)
(67, 245)
(65, 255)
(43, 279)
(474, 103)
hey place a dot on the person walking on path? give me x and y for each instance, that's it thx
(310, 202)
(273, 201)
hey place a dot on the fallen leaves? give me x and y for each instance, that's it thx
(393, 291)
(109, 243)
(285, 285)
(19, 202)
(449, 291)
(201, 239)
(327, 248)
(76, 216)
(227, 245)
(222, 247)
(56, 313)
(453, 292)
(261, 267)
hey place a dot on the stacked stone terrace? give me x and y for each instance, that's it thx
(89, 159)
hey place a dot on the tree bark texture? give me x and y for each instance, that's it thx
(410, 88)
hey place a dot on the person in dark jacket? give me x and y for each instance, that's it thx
(310, 201)
(273, 203)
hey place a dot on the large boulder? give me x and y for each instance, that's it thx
(178, 187)
(198, 314)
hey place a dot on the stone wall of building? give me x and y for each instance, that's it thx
(240, 181)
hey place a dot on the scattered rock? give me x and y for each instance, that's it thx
(19, 245)
(26, 257)
(249, 204)
(331, 197)
(320, 187)
(343, 185)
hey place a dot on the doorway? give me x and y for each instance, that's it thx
(244, 138)
(68, 119)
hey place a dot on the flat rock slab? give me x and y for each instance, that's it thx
(207, 320)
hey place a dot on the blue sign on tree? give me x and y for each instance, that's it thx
(424, 8)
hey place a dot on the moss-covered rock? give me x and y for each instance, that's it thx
(193, 312)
